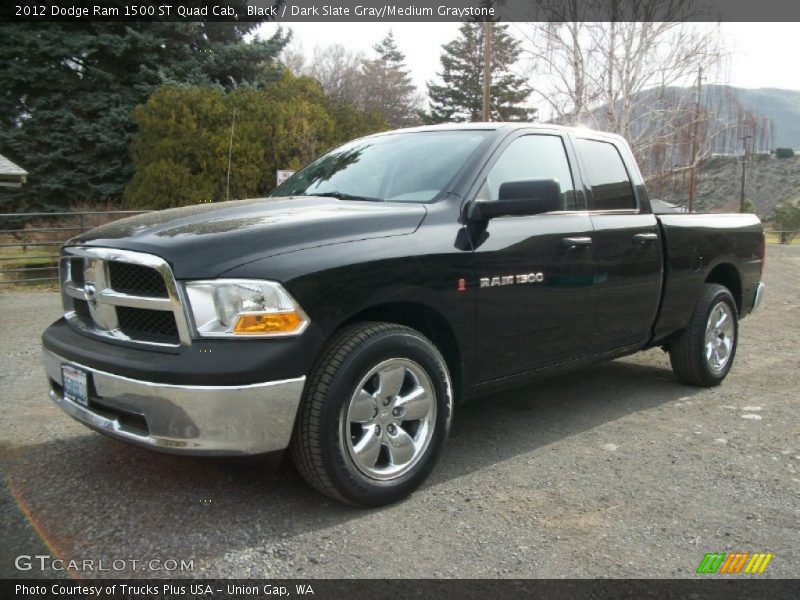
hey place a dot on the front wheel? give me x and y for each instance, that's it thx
(703, 354)
(374, 415)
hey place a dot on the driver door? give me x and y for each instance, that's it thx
(536, 300)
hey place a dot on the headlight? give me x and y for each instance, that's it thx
(244, 307)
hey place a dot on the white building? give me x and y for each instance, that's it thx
(11, 175)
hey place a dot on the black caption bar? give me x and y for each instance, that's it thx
(399, 11)
(379, 589)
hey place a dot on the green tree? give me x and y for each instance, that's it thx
(786, 219)
(69, 90)
(388, 88)
(460, 96)
(352, 122)
(177, 153)
(180, 153)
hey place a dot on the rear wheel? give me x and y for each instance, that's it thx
(374, 415)
(703, 354)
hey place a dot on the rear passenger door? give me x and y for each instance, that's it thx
(627, 247)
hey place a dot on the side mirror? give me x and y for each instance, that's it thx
(519, 198)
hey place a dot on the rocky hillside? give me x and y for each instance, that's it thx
(723, 102)
(770, 181)
(782, 106)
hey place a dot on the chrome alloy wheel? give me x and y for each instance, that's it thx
(390, 419)
(720, 334)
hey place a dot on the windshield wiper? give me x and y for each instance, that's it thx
(343, 196)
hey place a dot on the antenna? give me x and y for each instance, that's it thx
(230, 154)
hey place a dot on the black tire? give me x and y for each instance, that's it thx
(688, 353)
(319, 443)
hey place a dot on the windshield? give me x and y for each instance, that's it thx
(401, 167)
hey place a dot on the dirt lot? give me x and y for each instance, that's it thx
(617, 471)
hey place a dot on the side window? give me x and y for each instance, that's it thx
(531, 157)
(606, 173)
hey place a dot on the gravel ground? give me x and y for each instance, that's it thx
(617, 471)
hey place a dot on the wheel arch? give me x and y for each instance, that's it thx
(726, 274)
(429, 322)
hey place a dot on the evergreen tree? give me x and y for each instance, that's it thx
(460, 97)
(69, 90)
(388, 86)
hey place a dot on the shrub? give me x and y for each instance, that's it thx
(784, 153)
(787, 221)
(180, 153)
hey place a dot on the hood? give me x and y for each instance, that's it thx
(208, 239)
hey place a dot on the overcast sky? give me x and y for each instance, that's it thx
(760, 53)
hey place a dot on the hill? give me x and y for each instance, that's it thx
(770, 181)
(782, 106)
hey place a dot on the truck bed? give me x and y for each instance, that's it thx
(700, 246)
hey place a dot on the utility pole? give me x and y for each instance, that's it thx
(744, 139)
(693, 172)
(487, 70)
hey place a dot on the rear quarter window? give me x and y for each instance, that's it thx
(606, 174)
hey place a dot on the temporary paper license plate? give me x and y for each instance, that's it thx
(76, 386)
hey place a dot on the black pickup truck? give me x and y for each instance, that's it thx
(344, 316)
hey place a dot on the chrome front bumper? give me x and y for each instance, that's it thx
(191, 419)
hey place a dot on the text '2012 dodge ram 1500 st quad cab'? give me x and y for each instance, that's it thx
(343, 316)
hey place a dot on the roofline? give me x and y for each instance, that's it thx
(502, 125)
(11, 171)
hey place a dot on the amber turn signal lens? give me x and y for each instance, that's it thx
(267, 323)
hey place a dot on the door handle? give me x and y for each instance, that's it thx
(645, 238)
(568, 243)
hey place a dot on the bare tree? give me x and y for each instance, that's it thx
(293, 57)
(560, 58)
(339, 72)
(617, 75)
(380, 87)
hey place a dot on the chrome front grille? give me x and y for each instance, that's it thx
(147, 325)
(123, 295)
(136, 280)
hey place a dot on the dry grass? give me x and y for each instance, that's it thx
(35, 242)
(65, 226)
(773, 238)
